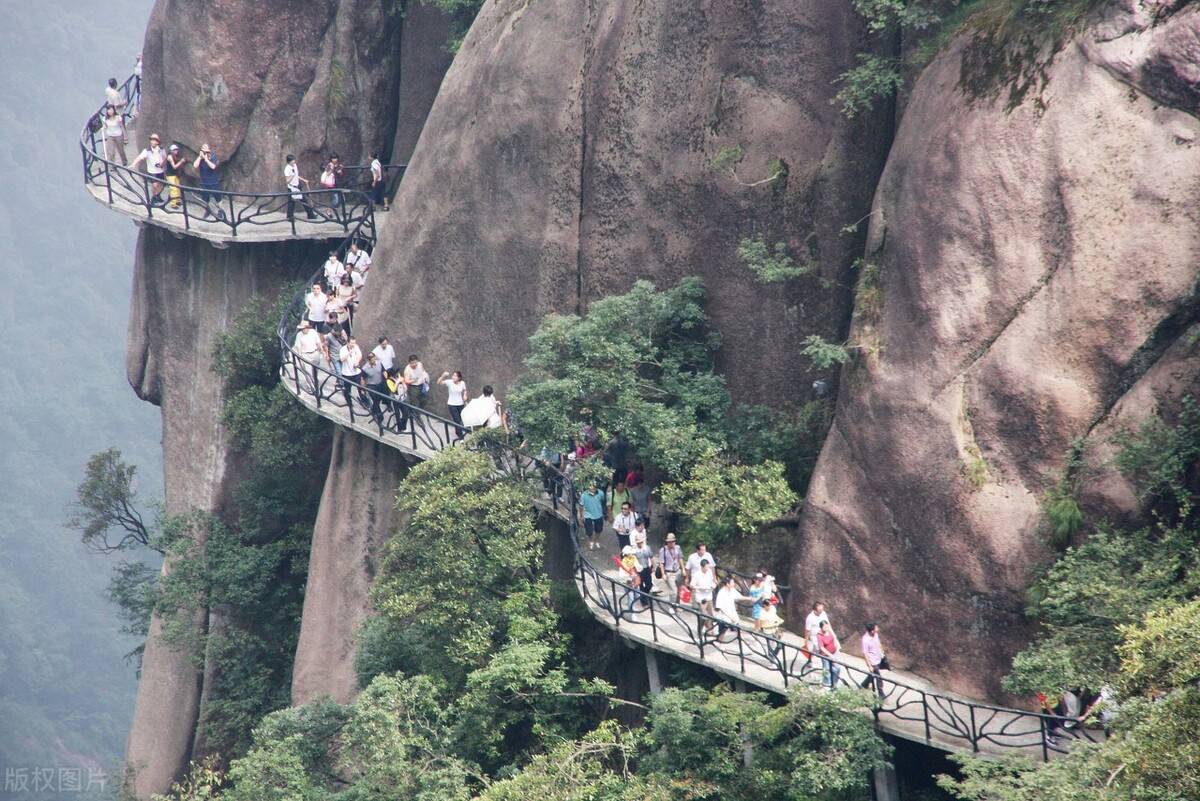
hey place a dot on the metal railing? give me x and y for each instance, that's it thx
(939, 719)
(222, 211)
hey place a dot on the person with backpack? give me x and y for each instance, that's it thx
(670, 562)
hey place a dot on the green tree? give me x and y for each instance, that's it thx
(723, 499)
(770, 264)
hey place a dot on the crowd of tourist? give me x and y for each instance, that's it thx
(167, 167)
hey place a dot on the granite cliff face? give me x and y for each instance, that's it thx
(256, 80)
(569, 153)
(1037, 282)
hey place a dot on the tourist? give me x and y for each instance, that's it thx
(639, 491)
(670, 562)
(210, 182)
(399, 390)
(693, 562)
(616, 457)
(591, 505)
(417, 379)
(828, 646)
(316, 302)
(703, 581)
(339, 172)
(334, 309)
(309, 343)
(618, 497)
(483, 411)
(113, 131)
(334, 270)
(872, 651)
(378, 187)
(347, 297)
(372, 372)
(175, 168)
(633, 576)
(624, 523)
(639, 529)
(456, 394)
(155, 159)
(352, 360)
(358, 260)
(757, 594)
(726, 604)
(645, 557)
(113, 96)
(334, 339)
(771, 621)
(294, 181)
(385, 353)
(812, 627)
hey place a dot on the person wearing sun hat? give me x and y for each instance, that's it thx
(670, 561)
(175, 167)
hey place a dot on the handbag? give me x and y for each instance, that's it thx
(884, 664)
(659, 573)
(685, 594)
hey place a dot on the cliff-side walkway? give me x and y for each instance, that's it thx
(909, 706)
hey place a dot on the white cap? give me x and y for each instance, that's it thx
(627, 550)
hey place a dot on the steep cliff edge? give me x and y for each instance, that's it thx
(569, 152)
(256, 80)
(1037, 272)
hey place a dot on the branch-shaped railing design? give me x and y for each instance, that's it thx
(941, 720)
(763, 659)
(220, 211)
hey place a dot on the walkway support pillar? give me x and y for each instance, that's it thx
(652, 670)
(885, 785)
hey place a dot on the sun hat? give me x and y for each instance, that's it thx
(670, 538)
(627, 550)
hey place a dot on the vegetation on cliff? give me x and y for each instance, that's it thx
(1119, 611)
(232, 596)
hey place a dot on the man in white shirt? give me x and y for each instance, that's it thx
(483, 411)
(315, 302)
(377, 185)
(812, 627)
(693, 561)
(112, 95)
(386, 354)
(294, 180)
(359, 260)
(418, 381)
(155, 159)
(624, 524)
(726, 604)
(310, 346)
(351, 357)
(334, 270)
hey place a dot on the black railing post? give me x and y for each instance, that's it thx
(232, 219)
(149, 197)
(741, 650)
(1045, 741)
(925, 712)
(616, 605)
(974, 735)
(108, 181)
(783, 668)
(183, 196)
(700, 633)
(653, 622)
(341, 197)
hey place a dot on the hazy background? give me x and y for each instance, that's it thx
(66, 694)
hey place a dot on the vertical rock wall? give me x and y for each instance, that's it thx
(256, 80)
(184, 294)
(1037, 282)
(569, 152)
